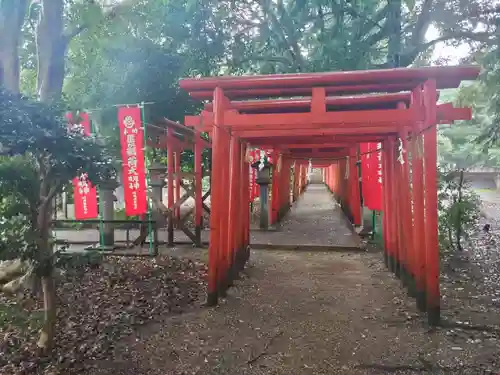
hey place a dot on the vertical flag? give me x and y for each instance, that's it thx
(371, 175)
(376, 175)
(134, 173)
(85, 197)
(84, 193)
(366, 173)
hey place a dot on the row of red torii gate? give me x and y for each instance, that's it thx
(385, 120)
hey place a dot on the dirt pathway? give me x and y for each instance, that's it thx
(303, 313)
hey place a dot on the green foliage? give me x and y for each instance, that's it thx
(458, 209)
(41, 155)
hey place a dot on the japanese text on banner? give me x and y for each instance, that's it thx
(376, 167)
(85, 198)
(134, 174)
(84, 193)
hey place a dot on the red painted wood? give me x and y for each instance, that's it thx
(198, 194)
(431, 205)
(331, 90)
(382, 76)
(214, 251)
(306, 103)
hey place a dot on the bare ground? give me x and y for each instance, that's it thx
(306, 313)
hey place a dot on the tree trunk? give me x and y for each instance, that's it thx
(12, 15)
(51, 50)
(394, 43)
(46, 340)
(46, 272)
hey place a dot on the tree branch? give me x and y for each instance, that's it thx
(109, 12)
(68, 36)
(408, 56)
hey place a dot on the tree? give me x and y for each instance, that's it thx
(483, 97)
(318, 35)
(12, 14)
(41, 156)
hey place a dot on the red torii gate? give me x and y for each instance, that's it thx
(176, 138)
(410, 234)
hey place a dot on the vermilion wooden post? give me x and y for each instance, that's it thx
(299, 178)
(246, 193)
(431, 205)
(355, 192)
(177, 157)
(398, 203)
(214, 256)
(275, 187)
(224, 219)
(332, 173)
(232, 203)
(198, 193)
(303, 178)
(417, 148)
(285, 187)
(340, 182)
(244, 204)
(404, 206)
(285, 204)
(281, 189)
(388, 257)
(170, 186)
(296, 178)
(234, 206)
(392, 207)
(407, 219)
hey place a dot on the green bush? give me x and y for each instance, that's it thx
(459, 209)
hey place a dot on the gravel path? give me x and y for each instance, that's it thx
(304, 313)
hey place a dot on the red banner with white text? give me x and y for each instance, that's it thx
(84, 193)
(364, 149)
(376, 176)
(85, 198)
(134, 174)
(371, 172)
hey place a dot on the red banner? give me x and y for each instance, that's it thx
(83, 122)
(377, 172)
(84, 193)
(85, 198)
(371, 175)
(364, 149)
(134, 174)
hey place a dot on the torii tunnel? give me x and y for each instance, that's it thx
(309, 117)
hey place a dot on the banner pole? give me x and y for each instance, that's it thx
(148, 181)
